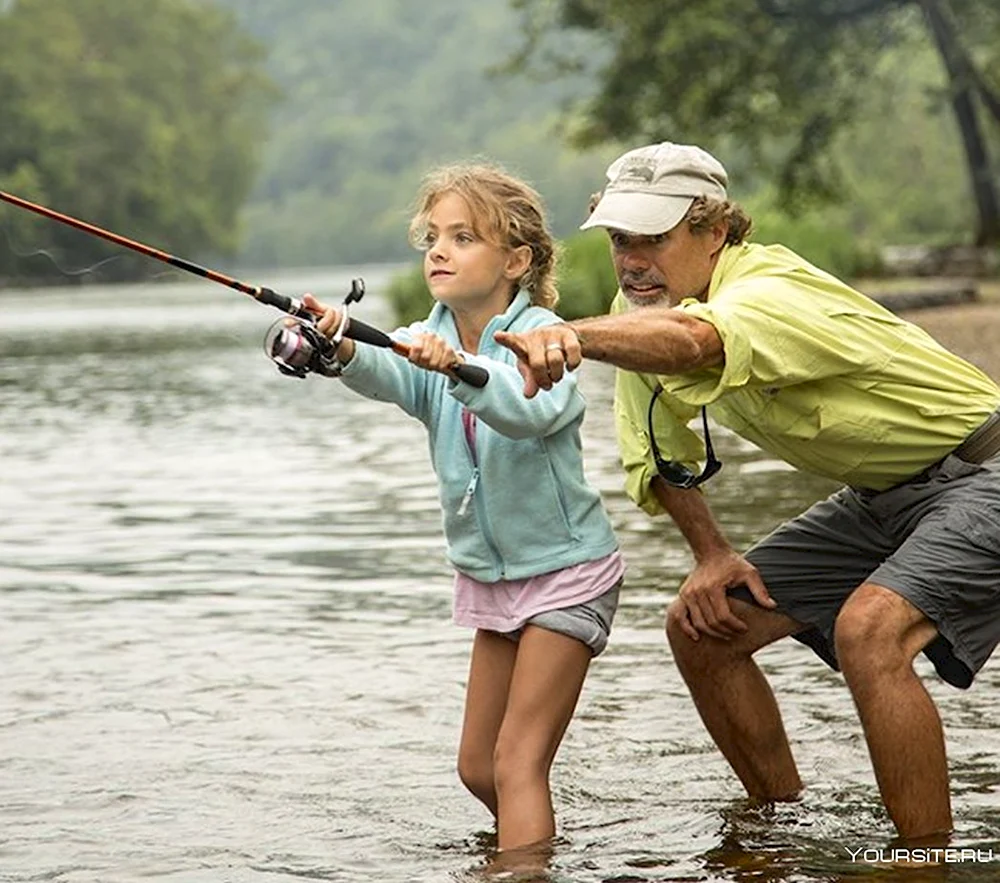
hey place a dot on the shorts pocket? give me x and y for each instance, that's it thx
(978, 528)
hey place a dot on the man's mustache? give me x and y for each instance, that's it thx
(643, 279)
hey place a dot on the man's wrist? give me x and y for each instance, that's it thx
(717, 548)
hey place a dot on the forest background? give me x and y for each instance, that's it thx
(263, 134)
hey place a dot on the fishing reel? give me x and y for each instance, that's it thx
(299, 348)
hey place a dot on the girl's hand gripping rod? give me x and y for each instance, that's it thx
(298, 347)
(322, 357)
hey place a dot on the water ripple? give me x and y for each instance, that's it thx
(227, 655)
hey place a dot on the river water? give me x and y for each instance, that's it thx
(226, 647)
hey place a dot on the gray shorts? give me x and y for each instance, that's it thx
(934, 539)
(589, 622)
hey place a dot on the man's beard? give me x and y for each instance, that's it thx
(657, 297)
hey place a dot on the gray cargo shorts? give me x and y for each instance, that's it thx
(934, 540)
(589, 622)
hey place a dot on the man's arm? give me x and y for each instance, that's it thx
(653, 340)
(717, 566)
(693, 517)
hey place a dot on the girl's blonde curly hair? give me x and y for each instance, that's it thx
(506, 212)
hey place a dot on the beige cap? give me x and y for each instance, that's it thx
(651, 188)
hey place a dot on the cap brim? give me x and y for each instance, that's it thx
(642, 213)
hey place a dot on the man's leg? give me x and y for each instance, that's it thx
(735, 701)
(878, 635)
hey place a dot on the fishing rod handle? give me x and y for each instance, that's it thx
(284, 303)
(474, 375)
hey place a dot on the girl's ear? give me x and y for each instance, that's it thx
(518, 261)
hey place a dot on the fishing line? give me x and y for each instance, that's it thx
(298, 348)
(27, 255)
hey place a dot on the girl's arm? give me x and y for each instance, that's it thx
(370, 371)
(501, 403)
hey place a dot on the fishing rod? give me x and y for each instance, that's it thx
(299, 348)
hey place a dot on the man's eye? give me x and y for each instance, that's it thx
(619, 240)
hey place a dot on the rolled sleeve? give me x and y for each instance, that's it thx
(699, 388)
(673, 437)
(771, 337)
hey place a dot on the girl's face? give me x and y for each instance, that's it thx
(464, 271)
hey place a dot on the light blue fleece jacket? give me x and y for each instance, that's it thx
(519, 504)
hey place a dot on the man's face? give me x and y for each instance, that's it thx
(666, 268)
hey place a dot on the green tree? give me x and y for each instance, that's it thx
(780, 78)
(378, 92)
(145, 118)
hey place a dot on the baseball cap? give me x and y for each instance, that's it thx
(651, 188)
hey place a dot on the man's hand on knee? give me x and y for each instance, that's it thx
(703, 606)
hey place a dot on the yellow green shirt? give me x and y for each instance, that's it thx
(815, 373)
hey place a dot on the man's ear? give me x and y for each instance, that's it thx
(518, 261)
(718, 234)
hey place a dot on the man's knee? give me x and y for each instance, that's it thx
(675, 616)
(704, 659)
(763, 627)
(878, 630)
(687, 652)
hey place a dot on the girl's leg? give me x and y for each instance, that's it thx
(490, 671)
(548, 674)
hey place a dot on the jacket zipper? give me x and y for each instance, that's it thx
(469, 491)
(467, 499)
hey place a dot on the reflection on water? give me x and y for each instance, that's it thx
(227, 655)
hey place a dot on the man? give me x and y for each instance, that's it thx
(904, 559)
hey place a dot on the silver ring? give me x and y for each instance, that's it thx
(553, 346)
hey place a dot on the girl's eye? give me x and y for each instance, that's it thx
(427, 240)
(464, 236)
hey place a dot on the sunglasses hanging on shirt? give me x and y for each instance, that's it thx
(673, 472)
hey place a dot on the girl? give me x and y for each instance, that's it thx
(537, 565)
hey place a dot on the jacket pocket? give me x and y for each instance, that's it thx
(528, 515)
